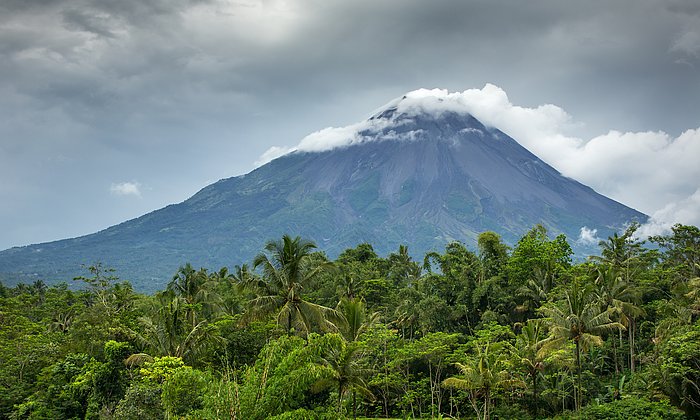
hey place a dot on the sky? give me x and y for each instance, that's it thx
(112, 109)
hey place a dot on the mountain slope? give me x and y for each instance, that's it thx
(417, 178)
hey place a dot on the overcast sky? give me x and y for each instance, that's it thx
(111, 109)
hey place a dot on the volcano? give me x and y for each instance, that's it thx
(415, 173)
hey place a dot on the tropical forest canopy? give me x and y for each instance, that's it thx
(495, 332)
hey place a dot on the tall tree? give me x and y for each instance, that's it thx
(536, 250)
(493, 254)
(623, 297)
(682, 250)
(287, 269)
(481, 374)
(578, 317)
(402, 270)
(341, 362)
(166, 329)
(529, 345)
(352, 318)
(195, 287)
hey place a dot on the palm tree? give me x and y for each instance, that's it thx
(288, 268)
(168, 331)
(402, 269)
(349, 285)
(535, 290)
(241, 274)
(39, 288)
(352, 320)
(195, 288)
(342, 362)
(529, 345)
(62, 321)
(493, 254)
(622, 252)
(622, 297)
(482, 374)
(579, 318)
(407, 314)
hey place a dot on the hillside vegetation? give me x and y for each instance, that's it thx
(495, 332)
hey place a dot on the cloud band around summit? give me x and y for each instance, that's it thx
(653, 172)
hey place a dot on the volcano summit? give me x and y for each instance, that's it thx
(422, 171)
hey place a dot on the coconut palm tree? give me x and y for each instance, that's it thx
(407, 314)
(196, 290)
(167, 331)
(529, 345)
(623, 298)
(622, 253)
(482, 374)
(341, 360)
(535, 290)
(352, 320)
(579, 318)
(288, 268)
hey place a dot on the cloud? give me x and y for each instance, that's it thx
(653, 172)
(271, 154)
(686, 211)
(334, 137)
(126, 188)
(588, 236)
(538, 128)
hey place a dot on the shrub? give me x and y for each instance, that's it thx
(628, 408)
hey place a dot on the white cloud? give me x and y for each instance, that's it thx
(271, 154)
(686, 211)
(653, 172)
(332, 137)
(588, 236)
(126, 188)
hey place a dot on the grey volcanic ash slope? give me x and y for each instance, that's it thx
(419, 178)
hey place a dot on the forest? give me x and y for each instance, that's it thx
(522, 332)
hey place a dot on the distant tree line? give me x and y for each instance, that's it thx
(495, 332)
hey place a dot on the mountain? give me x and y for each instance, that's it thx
(413, 174)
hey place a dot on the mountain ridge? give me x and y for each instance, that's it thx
(407, 175)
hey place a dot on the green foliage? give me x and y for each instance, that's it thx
(525, 335)
(183, 392)
(25, 349)
(56, 395)
(109, 381)
(304, 414)
(578, 317)
(535, 251)
(493, 254)
(141, 401)
(682, 250)
(243, 342)
(79, 386)
(160, 369)
(287, 268)
(484, 372)
(282, 377)
(628, 408)
(677, 373)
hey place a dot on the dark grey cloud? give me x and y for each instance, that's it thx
(174, 94)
